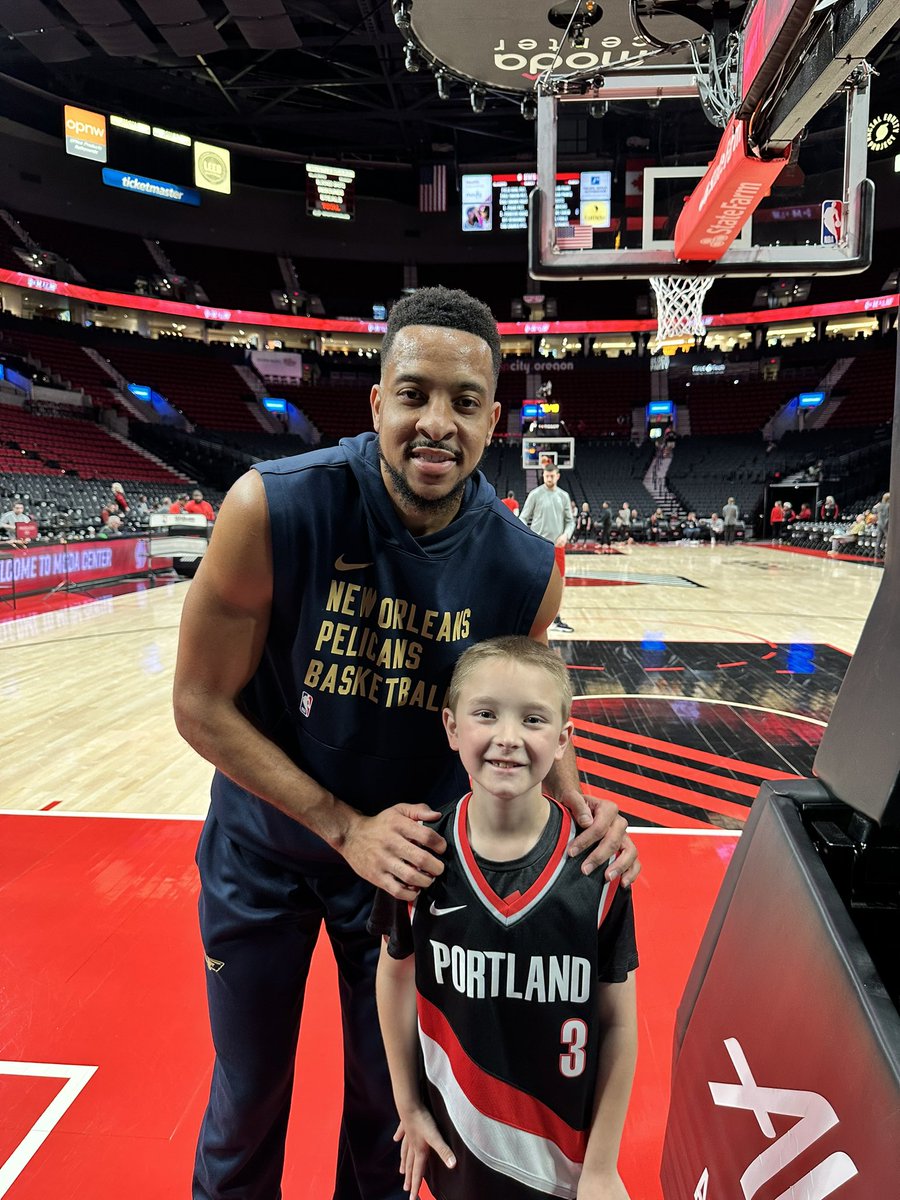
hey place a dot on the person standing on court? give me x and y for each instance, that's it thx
(344, 584)
(511, 503)
(730, 516)
(548, 511)
(882, 512)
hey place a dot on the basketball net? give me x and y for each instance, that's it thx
(679, 307)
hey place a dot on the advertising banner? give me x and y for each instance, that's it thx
(42, 568)
(277, 365)
(85, 133)
(212, 168)
(243, 316)
(726, 197)
(144, 186)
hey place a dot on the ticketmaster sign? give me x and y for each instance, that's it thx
(150, 187)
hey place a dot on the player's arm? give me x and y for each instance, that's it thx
(223, 631)
(395, 991)
(527, 513)
(603, 826)
(615, 1073)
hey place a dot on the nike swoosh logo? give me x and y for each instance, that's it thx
(442, 912)
(340, 565)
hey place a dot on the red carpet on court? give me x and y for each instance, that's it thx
(104, 1048)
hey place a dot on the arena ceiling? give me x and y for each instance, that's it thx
(284, 81)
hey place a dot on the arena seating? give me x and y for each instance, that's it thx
(105, 258)
(56, 445)
(867, 389)
(64, 358)
(207, 390)
(336, 409)
(232, 278)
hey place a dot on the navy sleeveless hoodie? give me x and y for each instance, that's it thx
(366, 625)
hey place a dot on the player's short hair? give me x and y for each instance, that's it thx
(447, 308)
(516, 649)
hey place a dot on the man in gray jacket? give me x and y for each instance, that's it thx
(548, 511)
(730, 517)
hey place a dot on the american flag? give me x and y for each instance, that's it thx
(433, 188)
(575, 237)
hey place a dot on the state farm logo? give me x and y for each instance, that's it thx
(815, 1117)
(42, 285)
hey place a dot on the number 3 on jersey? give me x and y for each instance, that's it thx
(573, 1036)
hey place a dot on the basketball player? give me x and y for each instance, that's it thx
(517, 975)
(548, 511)
(317, 643)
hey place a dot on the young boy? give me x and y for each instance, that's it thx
(505, 992)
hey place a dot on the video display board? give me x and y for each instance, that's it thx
(499, 202)
(330, 192)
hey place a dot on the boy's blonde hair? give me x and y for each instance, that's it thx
(523, 650)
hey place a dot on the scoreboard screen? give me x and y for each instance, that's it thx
(330, 192)
(500, 202)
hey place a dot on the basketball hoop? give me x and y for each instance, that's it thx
(679, 306)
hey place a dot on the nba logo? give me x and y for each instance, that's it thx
(832, 221)
(305, 704)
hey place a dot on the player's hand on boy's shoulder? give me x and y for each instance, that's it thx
(395, 850)
(601, 1186)
(604, 831)
(418, 1135)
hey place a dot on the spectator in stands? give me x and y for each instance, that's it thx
(843, 536)
(882, 512)
(548, 511)
(655, 526)
(805, 513)
(179, 505)
(511, 503)
(776, 520)
(716, 528)
(164, 505)
(691, 529)
(604, 526)
(623, 520)
(10, 519)
(829, 510)
(112, 528)
(730, 516)
(584, 523)
(143, 507)
(198, 505)
(116, 503)
(8, 523)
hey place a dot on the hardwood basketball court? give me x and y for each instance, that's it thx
(699, 673)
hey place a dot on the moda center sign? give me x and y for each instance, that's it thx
(508, 43)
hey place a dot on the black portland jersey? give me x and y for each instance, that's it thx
(507, 1009)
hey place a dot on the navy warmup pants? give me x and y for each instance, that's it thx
(260, 920)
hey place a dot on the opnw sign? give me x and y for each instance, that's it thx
(85, 133)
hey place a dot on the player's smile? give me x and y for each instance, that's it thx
(434, 413)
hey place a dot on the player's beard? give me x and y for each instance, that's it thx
(436, 506)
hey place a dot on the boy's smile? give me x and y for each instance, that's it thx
(506, 730)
